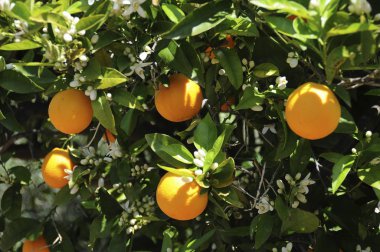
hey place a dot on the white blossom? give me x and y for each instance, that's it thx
(69, 173)
(368, 134)
(377, 209)
(375, 161)
(270, 127)
(198, 172)
(187, 179)
(91, 92)
(74, 189)
(6, 5)
(138, 69)
(292, 59)
(264, 205)
(257, 108)
(115, 150)
(377, 107)
(134, 6)
(359, 7)
(94, 39)
(377, 17)
(101, 182)
(281, 82)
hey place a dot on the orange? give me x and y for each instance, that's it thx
(53, 167)
(70, 111)
(210, 53)
(108, 137)
(230, 43)
(227, 106)
(180, 199)
(179, 102)
(38, 245)
(312, 111)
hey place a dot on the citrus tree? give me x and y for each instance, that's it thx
(189, 125)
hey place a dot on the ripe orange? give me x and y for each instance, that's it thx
(179, 102)
(227, 106)
(312, 111)
(38, 245)
(180, 199)
(108, 137)
(53, 167)
(70, 111)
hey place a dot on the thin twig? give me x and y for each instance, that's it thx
(93, 137)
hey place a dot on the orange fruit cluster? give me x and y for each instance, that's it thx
(70, 111)
(229, 43)
(179, 102)
(53, 168)
(179, 198)
(38, 245)
(312, 111)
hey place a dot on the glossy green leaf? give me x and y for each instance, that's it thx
(205, 133)
(108, 204)
(250, 99)
(265, 70)
(351, 28)
(341, 170)
(111, 77)
(224, 174)
(199, 20)
(231, 63)
(179, 152)
(11, 202)
(102, 112)
(263, 229)
(86, 23)
(370, 176)
(20, 46)
(18, 83)
(284, 6)
(300, 157)
(174, 13)
(125, 98)
(158, 142)
(196, 244)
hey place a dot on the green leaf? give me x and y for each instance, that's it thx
(342, 94)
(129, 122)
(199, 20)
(19, 46)
(102, 112)
(341, 170)
(158, 143)
(99, 228)
(294, 219)
(183, 58)
(18, 83)
(177, 171)
(106, 38)
(118, 243)
(250, 99)
(346, 123)
(370, 176)
(174, 13)
(224, 174)
(51, 18)
(240, 26)
(374, 92)
(287, 145)
(11, 202)
(167, 243)
(21, 173)
(205, 134)
(198, 242)
(331, 156)
(335, 60)
(17, 230)
(229, 195)
(213, 152)
(263, 229)
(86, 23)
(231, 63)
(300, 221)
(283, 6)
(351, 28)
(3, 64)
(126, 99)
(2, 116)
(179, 152)
(111, 78)
(300, 157)
(265, 70)
(108, 204)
